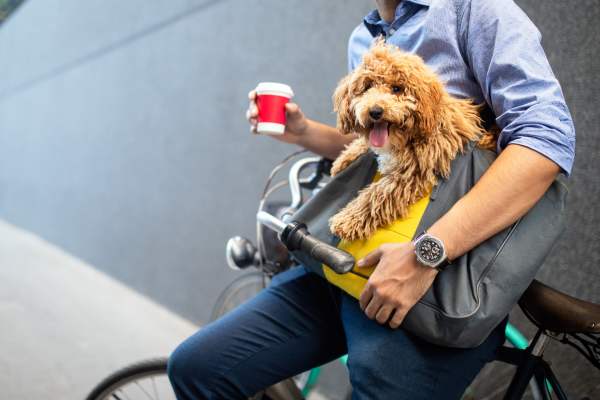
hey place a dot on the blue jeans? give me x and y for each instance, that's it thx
(302, 321)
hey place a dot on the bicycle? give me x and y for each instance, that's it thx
(556, 315)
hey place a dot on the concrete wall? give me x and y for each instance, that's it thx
(122, 136)
(122, 131)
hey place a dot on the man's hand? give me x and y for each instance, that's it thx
(319, 138)
(396, 285)
(296, 122)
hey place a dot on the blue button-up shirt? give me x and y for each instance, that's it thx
(486, 50)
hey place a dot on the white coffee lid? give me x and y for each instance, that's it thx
(274, 88)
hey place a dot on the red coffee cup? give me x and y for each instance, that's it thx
(271, 99)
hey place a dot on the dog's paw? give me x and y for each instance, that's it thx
(342, 226)
(350, 226)
(339, 165)
(354, 150)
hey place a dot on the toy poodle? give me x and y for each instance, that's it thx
(399, 109)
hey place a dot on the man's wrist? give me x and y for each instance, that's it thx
(299, 135)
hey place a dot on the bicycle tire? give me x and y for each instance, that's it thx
(238, 291)
(127, 375)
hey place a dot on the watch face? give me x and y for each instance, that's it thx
(430, 250)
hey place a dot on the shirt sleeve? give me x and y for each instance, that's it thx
(359, 39)
(351, 65)
(503, 48)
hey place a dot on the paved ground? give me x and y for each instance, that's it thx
(64, 325)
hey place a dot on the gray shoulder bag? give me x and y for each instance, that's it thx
(472, 295)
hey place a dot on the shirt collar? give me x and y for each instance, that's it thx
(375, 24)
(425, 3)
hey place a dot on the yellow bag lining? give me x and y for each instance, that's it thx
(400, 231)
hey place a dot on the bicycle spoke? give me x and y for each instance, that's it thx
(114, 395)
(149, 387)
(124, 394)
(143, 390)
(154, 387)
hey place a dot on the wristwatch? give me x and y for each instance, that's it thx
(430, 251)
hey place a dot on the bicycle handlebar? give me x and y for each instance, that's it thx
(295, 181)
(295, 236)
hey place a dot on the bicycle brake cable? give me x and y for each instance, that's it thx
(266, 192)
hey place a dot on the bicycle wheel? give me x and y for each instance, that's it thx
(143, 380)
(237, 292)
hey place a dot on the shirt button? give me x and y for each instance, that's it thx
(391, 31)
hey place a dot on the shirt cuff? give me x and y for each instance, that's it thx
(561, 152)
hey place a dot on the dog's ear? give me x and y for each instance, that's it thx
(429, 97)
(341, 105)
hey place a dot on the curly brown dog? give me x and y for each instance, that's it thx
(400, 109)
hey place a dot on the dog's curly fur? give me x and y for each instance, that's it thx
(427, 129)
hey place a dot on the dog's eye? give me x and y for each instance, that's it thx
(396, 89)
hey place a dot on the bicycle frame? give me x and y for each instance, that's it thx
(531, 365)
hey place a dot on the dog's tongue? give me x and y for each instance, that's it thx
(379, 134)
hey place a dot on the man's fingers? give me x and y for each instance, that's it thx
(370, 259)
(252, 116)
(365, 296)
(252, 95)
(384, 313)
(397, 319)
(292, 108)
(252, 111)
(373, 307)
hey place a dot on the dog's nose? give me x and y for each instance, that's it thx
(376, 112)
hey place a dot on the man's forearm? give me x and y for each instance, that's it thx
(323, 139)
(515, 181)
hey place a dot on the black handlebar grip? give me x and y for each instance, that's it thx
(336, 259)
(324, 166)
(296, 237)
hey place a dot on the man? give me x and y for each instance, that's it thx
(485, 50)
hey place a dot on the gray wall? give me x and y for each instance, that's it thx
(122, 137)
(122, 131)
